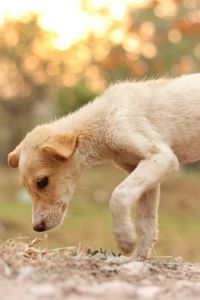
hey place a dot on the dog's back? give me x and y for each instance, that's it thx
(167, 107)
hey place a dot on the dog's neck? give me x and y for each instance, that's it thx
(88, 124)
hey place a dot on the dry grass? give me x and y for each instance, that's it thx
(76, 273)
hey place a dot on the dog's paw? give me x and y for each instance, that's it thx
(127, 243)
(137, 257)
(141, 253)
(127, 246)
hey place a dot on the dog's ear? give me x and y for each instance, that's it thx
(13, 157)
(61, 146)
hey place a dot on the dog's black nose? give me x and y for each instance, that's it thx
(40, 227)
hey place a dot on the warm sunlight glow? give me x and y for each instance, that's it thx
(65, 17)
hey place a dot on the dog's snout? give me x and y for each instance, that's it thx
(40, 227)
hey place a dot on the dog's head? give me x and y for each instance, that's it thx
(49, 169)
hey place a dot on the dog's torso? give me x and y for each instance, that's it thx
(165, 110)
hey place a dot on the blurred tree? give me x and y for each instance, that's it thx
(28, 74)
(33, 73)
(154, 39)
(160, 38)
(70, 98)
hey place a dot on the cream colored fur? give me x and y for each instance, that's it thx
(147, 128)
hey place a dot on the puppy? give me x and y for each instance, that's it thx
(146, 128)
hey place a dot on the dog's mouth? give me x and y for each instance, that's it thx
(64, 207)
(40, 227)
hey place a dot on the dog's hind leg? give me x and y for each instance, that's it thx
(146, 222)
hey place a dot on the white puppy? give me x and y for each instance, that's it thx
(147, 128)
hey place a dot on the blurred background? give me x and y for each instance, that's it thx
(57, 55)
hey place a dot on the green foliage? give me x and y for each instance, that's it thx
(69, 99)
(39, 80)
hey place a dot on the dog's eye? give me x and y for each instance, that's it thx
(42, 182)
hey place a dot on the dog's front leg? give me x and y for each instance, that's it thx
(146, 222)
(149, 173)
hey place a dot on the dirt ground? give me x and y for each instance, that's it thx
(28, 273)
